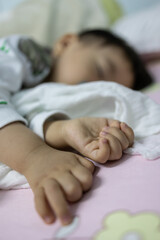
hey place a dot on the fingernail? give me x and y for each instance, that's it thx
(104, 133)
(66, 219)
(48, 219)
(125, 125)
(104, 140)
(106, 128)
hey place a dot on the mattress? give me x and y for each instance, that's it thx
(122, 204)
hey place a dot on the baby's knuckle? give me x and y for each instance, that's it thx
(102, 160)
(104, 121)
(126, 145)
(87, 180)
(116, 130)
(54, 187)
(72, 190)
(74, 193)
(73, 163)
(115, 123)
(118, 155)
(91, 166)
(131, 137)
(51, 185)
(130, 129)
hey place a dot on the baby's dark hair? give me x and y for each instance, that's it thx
(141, 76)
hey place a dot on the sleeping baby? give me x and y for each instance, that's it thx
(56, 167)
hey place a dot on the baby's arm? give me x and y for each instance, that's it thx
(53, 175)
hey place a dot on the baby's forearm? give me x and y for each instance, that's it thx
(45, 169)
(17, 142)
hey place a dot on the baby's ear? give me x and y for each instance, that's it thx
(63, 43)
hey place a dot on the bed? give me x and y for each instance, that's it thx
(123, 204)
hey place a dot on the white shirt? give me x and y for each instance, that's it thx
(22, 63)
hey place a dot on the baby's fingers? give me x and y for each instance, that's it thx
(42, 206)
(115, 146)
(118, 134)
(98, 150)
(83, 175)
(86, 163)
(128, 132)
(71, 186)
(57, 201)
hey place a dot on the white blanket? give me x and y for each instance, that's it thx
(95, 99)
(141, 29)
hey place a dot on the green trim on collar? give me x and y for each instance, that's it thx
(3, 102)
(3, 48)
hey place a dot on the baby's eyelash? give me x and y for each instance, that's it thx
(99, 71)
(82, 82)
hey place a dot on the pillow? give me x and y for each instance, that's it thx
(112, 9)
(141, 30)
(76, 15)
(47, 20)
(7, 5)
(154, 87)
(130, 7)
(115, 9)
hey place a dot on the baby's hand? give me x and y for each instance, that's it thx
(56, 177)
(118, 136)
(99, 139)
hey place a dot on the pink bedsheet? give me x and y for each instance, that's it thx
(125, 196)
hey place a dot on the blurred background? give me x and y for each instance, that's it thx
(47, 20)
(138, 22)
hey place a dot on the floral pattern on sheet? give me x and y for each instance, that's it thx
(123, 226)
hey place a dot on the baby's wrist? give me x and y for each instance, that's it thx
(36, 163)
(54, 133)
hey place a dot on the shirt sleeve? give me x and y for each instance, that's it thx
(11, 76)
(23, 62)
(37, 122)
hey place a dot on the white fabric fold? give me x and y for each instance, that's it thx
(95, 99)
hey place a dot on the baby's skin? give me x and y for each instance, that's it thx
(99, 139)
(56, 178)
(58, 175)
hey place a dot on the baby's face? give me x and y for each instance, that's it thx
(85, 63)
